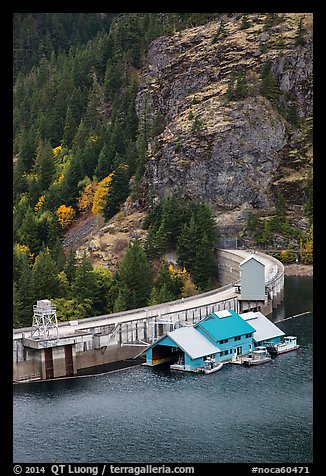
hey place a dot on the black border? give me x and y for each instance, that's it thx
(6, 216)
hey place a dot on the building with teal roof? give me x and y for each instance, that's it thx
(217, 337)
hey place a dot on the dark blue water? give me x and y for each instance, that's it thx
(144, 415)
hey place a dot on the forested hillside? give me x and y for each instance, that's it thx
(95, 105)
(77, 143)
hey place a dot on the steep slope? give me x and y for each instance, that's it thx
(234, 153)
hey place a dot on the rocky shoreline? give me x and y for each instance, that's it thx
(298, 269)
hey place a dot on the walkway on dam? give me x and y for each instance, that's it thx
(223, 294)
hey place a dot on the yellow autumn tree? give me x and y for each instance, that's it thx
(188, 286)
(86, 198)
(39, 204)
(57, 150)
(100, 194)
(306, 249)
(65, 215)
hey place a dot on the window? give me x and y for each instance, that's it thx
(237, 338)
(224, 341)
(248, 335)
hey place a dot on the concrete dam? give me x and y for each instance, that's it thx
(249, 281)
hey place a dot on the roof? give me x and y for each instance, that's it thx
(264, 328)
(192, 342)
(224, 325)
(250, 258)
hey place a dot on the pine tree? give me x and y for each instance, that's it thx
(105, 163)
(45, 276)
(203, 264)
(269, 87)
(245, 23)
(153, 297)
(120, 304)
(205, 222)
(28, 232)
(241, 88)
(17, 307)
(165, 295)
(293, 115)
(58, 254)
(187, 244)
(134, 274)
(84, 284)
(70, 266)
(44, 164)
(172, 287)
(103, 282)
(300, 34)
(118, 191)
(69, 130)
(25, 297)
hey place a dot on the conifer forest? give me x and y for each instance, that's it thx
(81, 145)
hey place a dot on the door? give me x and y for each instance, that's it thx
(48, 358)
(239, 350)
(69, 361)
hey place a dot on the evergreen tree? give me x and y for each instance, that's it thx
(205, 222)
(203, 264)
(152, 246)
(241, 88)
(187, 244)
(245, 23)
(153, 297)
(293, 115)
(269, 87)
(171, 285)
(134, 275)
(44, 164)
(103, 282)
(272, 19)
(165, 295)
(45, 276)
(18, 317)
(105, 163)
(28, 232)
(84, 284)
(120, 304)
(221, 32)
(58, 254)
(25, 295)
(237, 86)
(300, 33)
(69, 130)
(118, 191)
(266, 233)
(70, 266)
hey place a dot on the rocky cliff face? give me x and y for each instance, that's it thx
(231, 153)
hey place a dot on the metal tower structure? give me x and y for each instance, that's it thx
(45, 324)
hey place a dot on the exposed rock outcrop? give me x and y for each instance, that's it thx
(230, 153)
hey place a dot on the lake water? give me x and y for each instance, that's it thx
(154, 415)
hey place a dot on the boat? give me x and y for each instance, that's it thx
(288, 344)
(257, 357)
(211, 367)
(215, 368)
